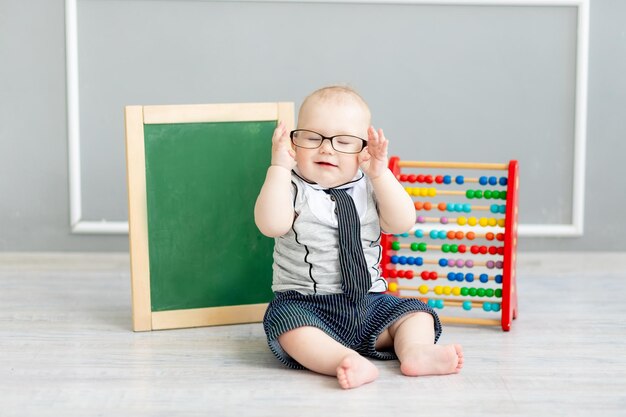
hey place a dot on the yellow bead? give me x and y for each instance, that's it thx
(432, 192)
(501, 222)
(424, 192)
(447, 290)
(461, 221)
(472, 221)
(456, 291)
(423, 289)
(438, 290)
(493, 222)
(393, 287)
(483, 221)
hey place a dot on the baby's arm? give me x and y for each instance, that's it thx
(395, 206)
(273, 211)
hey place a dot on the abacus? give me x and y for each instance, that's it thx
(473, 254)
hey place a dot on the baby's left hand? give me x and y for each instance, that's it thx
(373, 159)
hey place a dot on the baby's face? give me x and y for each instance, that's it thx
(324, 165)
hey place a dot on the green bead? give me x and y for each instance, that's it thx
(487, 194)
(469, 194)
(503, 195)
(489, 292)
(395, 245)
(472, 291)
(422, 247)
(445, 248)
(480, 292)
(454, 248)
(414, 246)
(499, 293)
(464, 291)
(478, 194)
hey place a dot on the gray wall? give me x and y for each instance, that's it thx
(461, 83)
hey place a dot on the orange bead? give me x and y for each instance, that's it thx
(500, 237)
(450, 234)
(418, 205)
(489, 236)
(471, 235)
(441, 206)
(459, 235)
(428, 205)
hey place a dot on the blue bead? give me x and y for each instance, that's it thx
(439, 304)
(419, 233)
(458, 207)
(503, 209)
(451, 276)
(410, 260)
(469, 277)
(419, 261)
(467, 305)
(459, 276)
(482, 180)
(487, 306)
(494, 209)
(503, 181)
(467, 208)
(498, 279)
(394, 259)
(495, 307)
(432, 303)
(484, 278)
(405, 234)
(493, 181)
(442, 234)
(460, 179)
(433, 234)
(402, 260)
(443, 262)
(447, 179)
(450, 207)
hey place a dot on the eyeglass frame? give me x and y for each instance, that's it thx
(330, 138)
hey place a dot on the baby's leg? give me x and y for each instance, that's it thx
(317, 351)
(413, 338)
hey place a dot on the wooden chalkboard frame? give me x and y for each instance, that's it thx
(136, 117)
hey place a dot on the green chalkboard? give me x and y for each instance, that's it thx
(202, 180)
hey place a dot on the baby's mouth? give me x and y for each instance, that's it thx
(324, 163)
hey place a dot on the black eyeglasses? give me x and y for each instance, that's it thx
(309, 139)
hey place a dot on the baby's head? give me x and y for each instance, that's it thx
(331, 111)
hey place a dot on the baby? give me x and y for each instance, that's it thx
(327, 197)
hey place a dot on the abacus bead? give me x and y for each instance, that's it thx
(462, 248)
(454, 248)
(420, 178)
(489, 292)
(433, 275)
(484, 278)
(503, 195)
(459, 235)
(447, 290)
(483, 221)
(461, 221)
(493, 250)
(470, 194)
(494, 208)
(483, 250)
(405, 234)
(428, 179)
(411, 178)
(499, 264)
(500, 237)
(410, 260)
(489, 236)
(503, 181)
(393, 287)
(439, 179)
(428, 206)
(490, 264)
(472, 292)
(498, 279)
(472, 221)
(487, 306)
(408, 274)
(395, 245)
(487, 194)
(432, 303)
(450, 235)
(456, 291)
(501, 222)
(480, 292)
(424, 275)
(451, 262)
(422, 247)
(451, 276)
(423, 289)
(459, 276)
(444, 220)
(401, 273)
(443, 262)
(393, 273)
(419, 261)
(469, 277)
(445, 248)
(502, 209)
(419, 233)
(442, 234)
(460, 263)
(492, 222)
(394, 259)
(418, 205)
(433, 234)
(402, 178)
(467, 305)
(495, 307)
(442, 206)
(450, 207)
(469, 263)
(482, 180)
(460, 179)
(414, 246)
(438, 289)
(421, 219)
(467, 208)
(402, 260)
(499, 292)
(439, 303)
(478, 194)
(447, 179)
(471, 235)
(493, 181)
(464, 291)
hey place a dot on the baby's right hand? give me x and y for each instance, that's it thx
(282, 153)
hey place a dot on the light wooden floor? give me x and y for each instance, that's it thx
(66, 349)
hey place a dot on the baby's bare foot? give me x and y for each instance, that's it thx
(354, 371)
(419, 360)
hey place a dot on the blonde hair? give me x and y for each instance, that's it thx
(338, 94)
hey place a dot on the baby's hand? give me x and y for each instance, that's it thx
(373, 159)
(282, 153)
